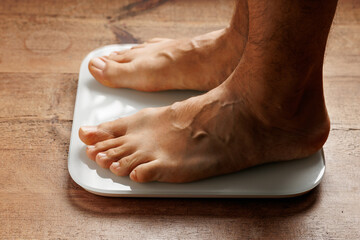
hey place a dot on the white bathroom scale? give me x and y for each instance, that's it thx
(96, 103)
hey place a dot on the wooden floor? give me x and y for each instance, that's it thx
(42, 43)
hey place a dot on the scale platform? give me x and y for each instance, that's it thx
(96, 103)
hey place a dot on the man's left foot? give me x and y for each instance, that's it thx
(201, 63)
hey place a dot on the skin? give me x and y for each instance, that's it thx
(163, 64)
(270, 108)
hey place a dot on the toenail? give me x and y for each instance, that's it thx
(87, 129)
(98, 63)
(133, 175)
(115, 164)
(101, 155)
(90, 147)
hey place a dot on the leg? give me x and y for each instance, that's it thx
(201, 63)
(271, 108)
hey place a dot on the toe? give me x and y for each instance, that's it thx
(139, 46)
(156, 40)
(120, 58)
(116, 128)
(120, 52)
(91, 135)
(117, 75)
(105, 159)
(93, 150)
(96, 67)
(147, 172)
(98, 63)
(124, 166)
(111, 71)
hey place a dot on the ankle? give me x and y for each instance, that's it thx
(236, 39)
(288, 99)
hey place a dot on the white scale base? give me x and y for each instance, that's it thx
(96, 104)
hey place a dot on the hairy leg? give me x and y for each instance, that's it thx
(271, 108)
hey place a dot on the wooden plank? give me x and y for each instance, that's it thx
(116, 10)
(342, 100)
(41, 46)
(344, 40)
(179, 19)
(36, 43)
(37, 96)
(75, 8)
(348, 11)
(33, 155)
(342, 52)
(55, 44)
(37, 193)
(44, 44)
(58, 46)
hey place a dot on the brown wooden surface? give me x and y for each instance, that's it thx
(42, 44)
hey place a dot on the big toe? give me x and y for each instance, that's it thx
(97, 67)
(91, 135)
(109, 72)
(108, 130)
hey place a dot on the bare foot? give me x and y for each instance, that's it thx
(271, 108)
(163, 64)
(222, 131)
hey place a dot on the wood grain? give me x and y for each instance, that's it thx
(42, 44)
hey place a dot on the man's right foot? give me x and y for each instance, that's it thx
(201, 63)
